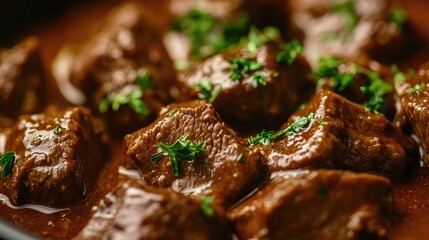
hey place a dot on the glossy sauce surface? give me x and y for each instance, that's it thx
(411, 197)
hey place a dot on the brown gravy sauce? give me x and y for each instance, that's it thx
(411, 197)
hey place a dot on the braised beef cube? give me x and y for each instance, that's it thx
(362, 81)
(222, 153)
(21, 78)
(124, 70)
(137, 211)
(263, 97)
(317, 205)
(332, 132)
(413, 94)
(58, 155)
(350, 28)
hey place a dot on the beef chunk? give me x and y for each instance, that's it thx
(413, 96)
(124, 70)
(58, 156)
(136, 211)
(349, 28)
(21, 78)
(247, 100)
(225, 154)
(317, 205)
(333, 74)
(341, 134)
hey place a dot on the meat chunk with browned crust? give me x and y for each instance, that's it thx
(321, 204)
(137, 211)
(337, 133)
(21, 79)
(225, 169)
(58, 155)
(413, 95)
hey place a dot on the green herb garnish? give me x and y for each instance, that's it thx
(132, 99)
(57, 130)
(265, 137)
(377, 89)
(240, 158)
(329, 68)
(418, 87)
(399, 77)
(289, 52)
(398, 16)
(259, 79)
(209, 35)
(323, 122)
(258, 38)
(208, 91)
(172, 112)
(143, 80)
(7, 161)
(241, 66)
(181, 150)
(206, 207)
(348, 10)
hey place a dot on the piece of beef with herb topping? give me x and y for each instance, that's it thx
(189, 149)
(157, 214)
(124, 70)
(350, 28)
(21, 80)
(53, 157)
(260, 84)
(413, 95)
(362, 81)
(323, 204)
(332, 132)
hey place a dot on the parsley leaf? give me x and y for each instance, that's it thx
(57, 130)
(208, 91)
(206, 207)
(132, 99)
(242, 65)
(181, 150)
(399, 77)
(209, 35)
(418, 87)
(329, 68)
(265, 137)
(377, 89)
(398, 16)
(289, 52)
(143, 79)
(7, 161)
(257, 38)
(259, 79)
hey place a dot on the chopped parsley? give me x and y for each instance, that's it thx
(289, 52)
(143, 80)
(206, 207)
(241, 66)
(181, 150)
(182, 64)
(172, 112)
(377, 90)
(348, 10)
(398, 16)
(323, 122)
(258, 38)
(265, 137)
(132, 99)
(7, 161)
(259, 79)
(418, 87)
(399, 77)
(209, 35)
(329, 68)
(207, 91)
(57, 130)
